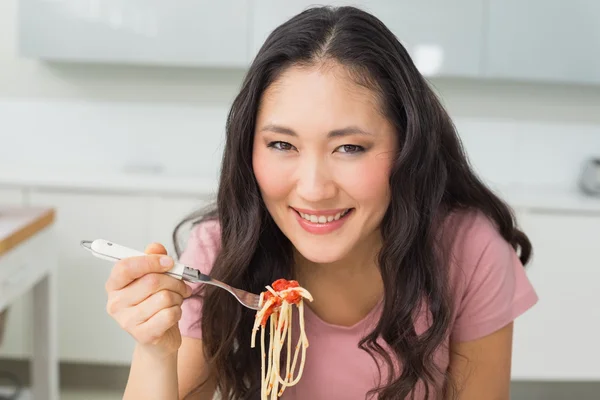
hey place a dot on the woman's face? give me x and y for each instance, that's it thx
(322, 157)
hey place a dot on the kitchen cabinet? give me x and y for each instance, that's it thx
(443, 38)
(185, 33)
(553, 339)
(10, 196)
(536, 40)
(544, 40)
(86, 332)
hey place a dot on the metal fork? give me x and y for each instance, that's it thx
(111, 251)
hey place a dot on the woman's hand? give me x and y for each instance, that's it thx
(146, 302)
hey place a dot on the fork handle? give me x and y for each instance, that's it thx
(112, 251)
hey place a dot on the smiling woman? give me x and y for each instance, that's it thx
(342, 172)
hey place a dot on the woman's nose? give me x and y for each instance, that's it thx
(314, 183)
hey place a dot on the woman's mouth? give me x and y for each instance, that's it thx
(322, 219)
(322, 222)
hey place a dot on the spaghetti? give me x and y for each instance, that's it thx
(276, 308)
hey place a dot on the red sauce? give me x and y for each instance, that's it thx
(279, 285)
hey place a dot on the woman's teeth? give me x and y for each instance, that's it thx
(321, 219)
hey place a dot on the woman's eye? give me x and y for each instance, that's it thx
(350, 148)
(284, 146)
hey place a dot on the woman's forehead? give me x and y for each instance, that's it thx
(318, 96)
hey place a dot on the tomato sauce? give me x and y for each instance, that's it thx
(280, 285)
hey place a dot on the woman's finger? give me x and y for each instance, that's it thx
(129, 269)
(130, 318)
(142, 288)
(154, 328)
(155, 303)
(155, 248)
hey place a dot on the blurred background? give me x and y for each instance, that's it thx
(112, 114)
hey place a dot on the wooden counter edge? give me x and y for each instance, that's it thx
(45, 219)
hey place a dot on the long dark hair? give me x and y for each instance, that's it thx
(430, 177)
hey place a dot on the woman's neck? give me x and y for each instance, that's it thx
(345, 291)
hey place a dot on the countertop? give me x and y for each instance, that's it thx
(518, 196)
(109, 180)
(565, 199)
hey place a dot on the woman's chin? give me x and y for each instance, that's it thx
(322, 256)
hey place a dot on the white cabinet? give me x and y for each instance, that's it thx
(86, 332)
(11, 197)
(544, 40)
(558, 338)
(443, 38)
(185, 32)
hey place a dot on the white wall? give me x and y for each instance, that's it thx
(113, 117)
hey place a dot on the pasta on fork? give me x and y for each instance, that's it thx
(276, 309)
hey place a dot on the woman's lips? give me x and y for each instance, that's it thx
(322, 222)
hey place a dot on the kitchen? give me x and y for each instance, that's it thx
(122, 144)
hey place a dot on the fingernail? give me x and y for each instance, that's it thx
(166, 261)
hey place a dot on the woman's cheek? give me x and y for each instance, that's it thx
(366, 178)
(273, 173)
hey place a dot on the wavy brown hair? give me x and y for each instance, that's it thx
(430, 178)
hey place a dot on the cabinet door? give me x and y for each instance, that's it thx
(444, 38)
(15, 341)
(184, 32)
(11, 197)
(544, 40)
(558, 337)
(166, 213)
(86, 332)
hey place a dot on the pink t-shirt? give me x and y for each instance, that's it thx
(491, 290)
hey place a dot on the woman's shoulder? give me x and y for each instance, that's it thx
(475, 251)
(203, 244)
(469, 222)
(470, 233)
(489, 283)
(207, 230)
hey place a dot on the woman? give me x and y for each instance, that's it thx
(341, 170)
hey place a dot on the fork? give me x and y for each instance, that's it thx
(111, 251)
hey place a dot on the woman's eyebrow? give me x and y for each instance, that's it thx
(347, 131)
(278, 129)
(350, 130)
